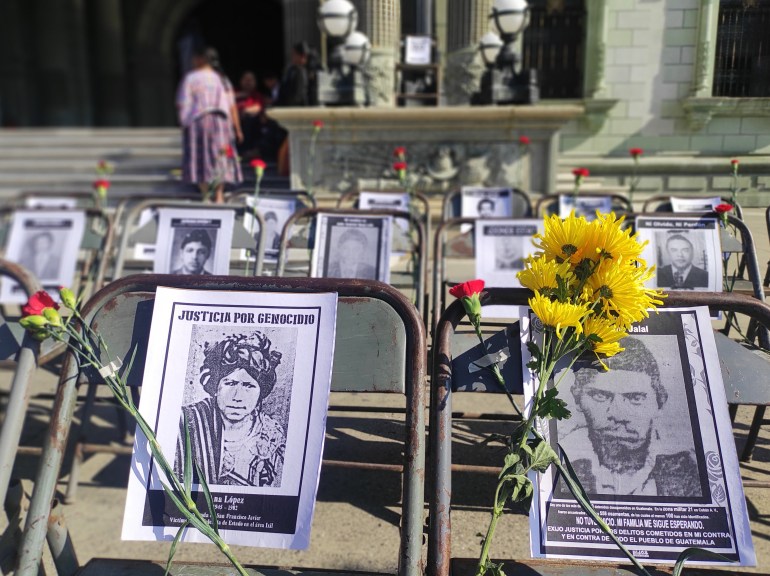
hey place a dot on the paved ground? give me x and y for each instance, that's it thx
(356, 523)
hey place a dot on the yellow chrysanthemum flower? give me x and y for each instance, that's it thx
(558, 315)
(609, 334)
(564, 240)
(620, 293)
(540, 273)
(607, 238)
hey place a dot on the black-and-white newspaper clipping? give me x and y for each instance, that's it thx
(486, 202)
(694, 204)
(501, 248)
(686, 252)
(193, 241)
(45, 242)
(275, 212)
(585, 206)
(352, 247)
(251, 372)
(651, 441)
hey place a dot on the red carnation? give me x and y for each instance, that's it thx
(258, 163)
(524, 140)
(635, 152)
(467, 289)
(38, 302)
(723, 208)
(101, 184)
(228, 151)
(581, 172)
(399, 166)
(399, 151)
(735, 162)
(318, 124)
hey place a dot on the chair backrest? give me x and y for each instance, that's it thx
(134, 232)
(380, 346)
(662, 203)
(739, 384)
(98, 237)
(522, 204)
(47, 199)
(549, 203)
(297, 244)
(241, 195)
(17, 346)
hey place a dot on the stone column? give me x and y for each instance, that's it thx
(380, 20)
(467, 22)
(109, 79)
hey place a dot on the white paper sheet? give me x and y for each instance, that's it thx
(651, 442)
(47, 243)
(275, 212)
(193, 241)
(418, 50)
(257, 428)
(145, 250)
(686, 251)
(352, 247)
(51, 202)
(585, 206)
(694, 204)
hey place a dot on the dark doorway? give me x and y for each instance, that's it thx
(247, 33)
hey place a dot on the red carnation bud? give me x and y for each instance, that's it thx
(524, 140)
(38, 302)
(735, 162)
(635, 152)
(467, 289)
(318, 124)
(580, 172)
(399, 152)
(101, 183)
(399, 166)
(723, 208)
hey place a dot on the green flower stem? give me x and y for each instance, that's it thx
(497, 511)
(79, 344)
(311, 163)
(253, 219)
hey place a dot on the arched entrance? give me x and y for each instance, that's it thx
(248, 34)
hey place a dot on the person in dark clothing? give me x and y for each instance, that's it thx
(294, 86)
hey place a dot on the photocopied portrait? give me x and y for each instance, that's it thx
(682, 261)
(275, 213)
(486, 202)
(631, 432)
(509, 253)
(192, 249)
(235, 440)
(42, 253)
(352, 251)
(501, 248)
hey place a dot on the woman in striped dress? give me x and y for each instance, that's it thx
(209, 119)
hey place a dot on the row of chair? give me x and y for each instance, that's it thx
(381, 346)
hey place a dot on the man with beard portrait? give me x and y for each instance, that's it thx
(619, 451)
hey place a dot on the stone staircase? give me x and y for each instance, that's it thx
(147, 161)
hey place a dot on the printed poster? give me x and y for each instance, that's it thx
(686, 252)
(652, 444)
(251, 371)
(502, 246)
(418, 50)
(193, 241)
(694, 204)
(585, 206)
(352, 247)
(51, 202)
(275, 212)
(45, 242)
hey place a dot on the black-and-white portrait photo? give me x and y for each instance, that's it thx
(353, 253)
(509, 253)
(682, 262)
(237, 402)
(631, 432)
(42, 252)
(585, 206)
(486, 208)
(275, 213)
(486, 202)
(192, 249)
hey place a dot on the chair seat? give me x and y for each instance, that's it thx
(115, 567)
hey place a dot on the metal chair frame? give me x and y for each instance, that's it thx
(440, 421)
(549, 203)
(405, 357)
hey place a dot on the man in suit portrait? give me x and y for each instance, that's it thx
(40, 258)
(194, 251)
(351, 254)
(486, 208)
(619, 450)
(681, 273)
(508, 255)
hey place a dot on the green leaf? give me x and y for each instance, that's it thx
(187, 458)
(209, 500)
(534, 350)
(495, 569)
(172, 551)
(542, 456)
(509, 464)
(550, 406)
(687, 552)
